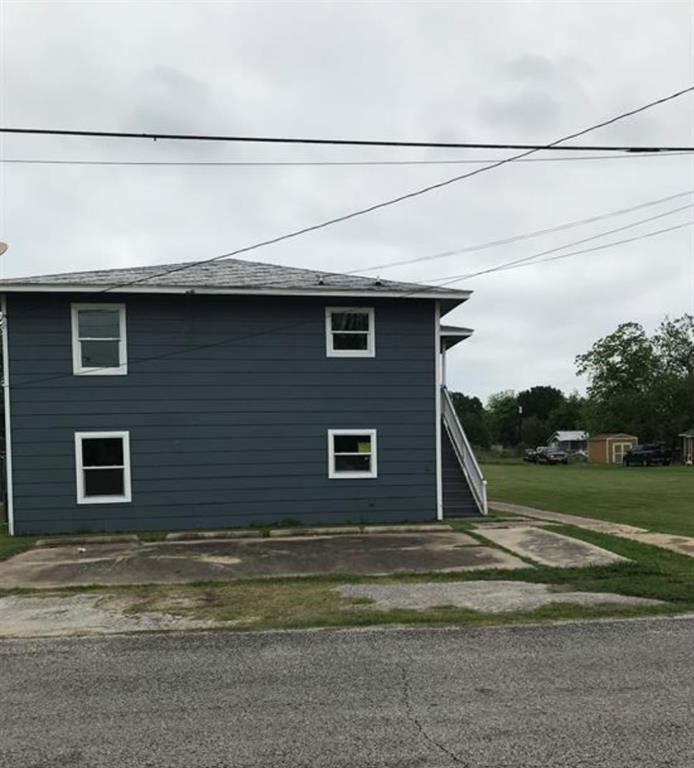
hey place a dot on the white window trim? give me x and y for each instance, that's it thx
(370, 350)
(127, 495)
(77, 368)
(335, 475)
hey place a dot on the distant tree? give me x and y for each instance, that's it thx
(674, 344)
(472, 418)
(623, 361)
(465, 404)
(569, 414)
(642, 384)
(540, 401)
(504, 419)
(533, 431)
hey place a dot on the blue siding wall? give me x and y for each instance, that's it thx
(228, 427)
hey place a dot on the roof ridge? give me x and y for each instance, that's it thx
(228, 274)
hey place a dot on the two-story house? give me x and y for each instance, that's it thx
(229, 394)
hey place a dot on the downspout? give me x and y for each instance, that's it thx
(437, 401)
(8, 424)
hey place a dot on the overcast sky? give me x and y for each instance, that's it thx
(485, 71)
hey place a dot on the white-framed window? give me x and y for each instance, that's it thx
(350, 332)
(352, 453)
(102, 460)
(99, 339)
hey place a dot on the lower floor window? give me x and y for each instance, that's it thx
(352, 453)
(103, 467)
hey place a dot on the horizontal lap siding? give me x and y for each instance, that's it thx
(228, 427)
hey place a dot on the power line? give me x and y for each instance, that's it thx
(413, 194)
(527, 263)
(391, 202)
(325, 163)
(230, 340)
(524, 236)
(334, 142)
(644, 236)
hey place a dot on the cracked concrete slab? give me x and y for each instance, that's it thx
(179, 562)
(483, 596)
(549, 548)
(80, 614)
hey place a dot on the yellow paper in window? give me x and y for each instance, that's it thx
(364, 447)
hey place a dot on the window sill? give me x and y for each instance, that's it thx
(121, 371)
(105, 500)
(350, 353)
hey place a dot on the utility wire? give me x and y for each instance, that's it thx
(324, 163)
(644, 236)
(335, 142)
(517, 238)
(231, 340)
(526, 263)
(631, 225)
(414, 193)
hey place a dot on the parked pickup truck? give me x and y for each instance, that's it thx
(551, 456)
(647, 455)
(545, 455)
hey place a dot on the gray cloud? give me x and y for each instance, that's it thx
(520, 71)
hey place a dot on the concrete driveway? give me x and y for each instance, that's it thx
(171, 562)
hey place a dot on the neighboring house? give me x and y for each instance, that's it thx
(229, 394)
(688, 447)
(610, 448)
(569, 440)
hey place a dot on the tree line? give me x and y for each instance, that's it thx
(638, 383)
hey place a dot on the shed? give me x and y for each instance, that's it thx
(609, 448)
(688, 447)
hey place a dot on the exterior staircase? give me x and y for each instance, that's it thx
(464, 486)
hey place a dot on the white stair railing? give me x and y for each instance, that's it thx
(466, 457)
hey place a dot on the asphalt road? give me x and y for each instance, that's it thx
(589, 695)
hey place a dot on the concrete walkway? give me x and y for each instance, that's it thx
(27, 616)
(549, 548)
(684, 545)
(486, 596)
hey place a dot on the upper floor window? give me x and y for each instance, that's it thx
(98, 339)
(350, 332)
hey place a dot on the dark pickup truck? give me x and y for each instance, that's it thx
(545, 455)
(648, 455)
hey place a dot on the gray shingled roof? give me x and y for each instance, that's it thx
(226, 274)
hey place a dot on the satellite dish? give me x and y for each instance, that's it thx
(3, 247)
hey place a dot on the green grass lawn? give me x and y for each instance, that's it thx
(13, 545)
(658, 498)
